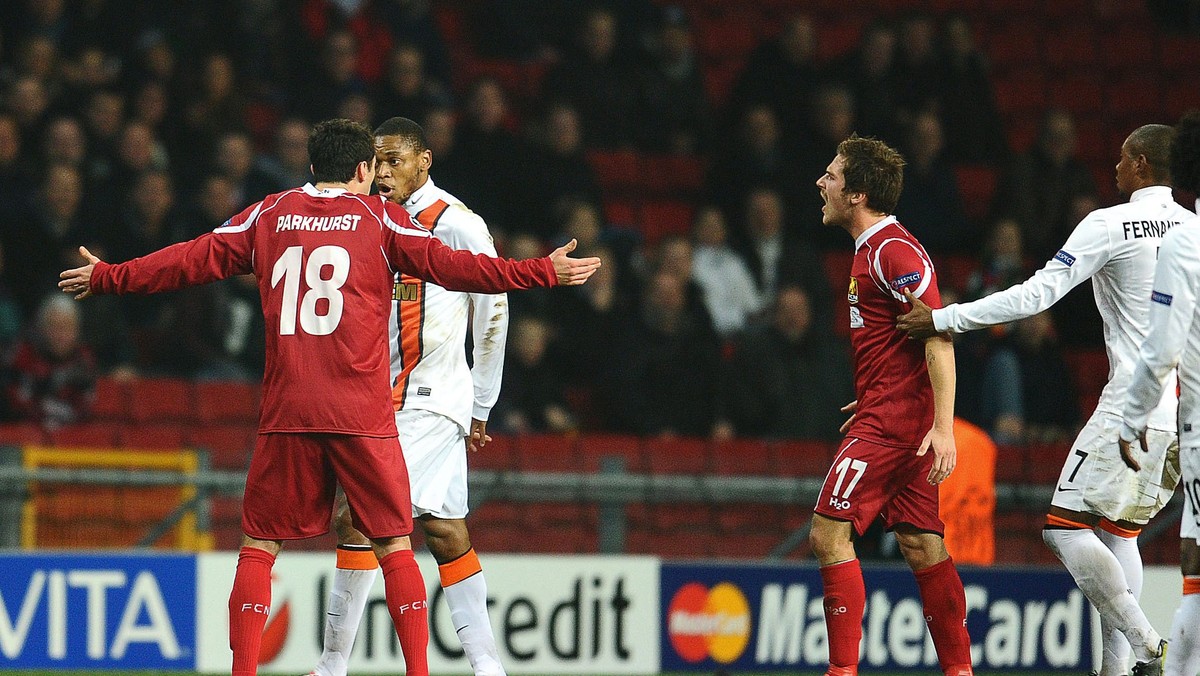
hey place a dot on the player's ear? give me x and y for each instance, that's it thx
(426, 159)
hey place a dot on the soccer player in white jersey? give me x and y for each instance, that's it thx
(441, 405)
(1174, 340)
(1099, 504)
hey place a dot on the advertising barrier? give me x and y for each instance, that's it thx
(765, 618)
(98, 611)
(550, 614)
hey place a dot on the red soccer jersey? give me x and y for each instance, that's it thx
(325, 261)
(895, 398)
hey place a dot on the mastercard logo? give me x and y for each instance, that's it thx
(703, 622)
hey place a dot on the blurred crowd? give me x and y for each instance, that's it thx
(127, 125)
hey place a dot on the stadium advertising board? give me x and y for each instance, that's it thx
(551, 615)
(764, 618)
(94, 611)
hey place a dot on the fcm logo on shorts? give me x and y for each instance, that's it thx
(703, 622)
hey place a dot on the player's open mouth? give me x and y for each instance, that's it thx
(385, 190)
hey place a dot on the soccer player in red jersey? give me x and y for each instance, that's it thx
(899, 441)
(325, 256)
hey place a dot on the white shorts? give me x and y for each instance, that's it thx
(435, 451)
(1095, 479)
(1189, 526)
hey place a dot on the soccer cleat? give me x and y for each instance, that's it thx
(1155, 666)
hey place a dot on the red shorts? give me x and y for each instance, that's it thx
(869, 480)
(292, 479)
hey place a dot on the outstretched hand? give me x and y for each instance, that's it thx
(572, 271)
(79, 280)
(917, 322)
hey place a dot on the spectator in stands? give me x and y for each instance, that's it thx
(582, 220)
(729, 290)
(65, 143)
(412, 22)
(10, 310)
(216, 199)
(151, 105)
(782, 74)
(27, 101)
(763, 161)
(777, 259)
(870, 73)
(563, 172)
(235, 161)
(674, 257)
(833, 119)
(50, 376)
(1048, 394)
(918, 71)
(220, 330)
(673, 108)
(1037, 187)
(15, 176)
(770, 377)
(931, 206)
(406, 89)
(485, 145)
(319, 93)
(974, 130)
(214, 107)
(288, 164)
(104, 117)
(597, 80)
(534, 392)
(669, 372)
(452, 169)
(357, 107)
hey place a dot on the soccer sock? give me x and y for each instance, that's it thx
(357, 568)
(405, 591)
(466, 594)
(845, 600)
(1100, 578)
(945, 606)
(249, 607)
(1183, 659)
(1123, 544)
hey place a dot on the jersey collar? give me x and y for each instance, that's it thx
(1149, 191)
(870, 232)
(422, 197)
(310, 189)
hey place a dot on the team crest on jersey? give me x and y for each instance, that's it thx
(852, 294)
(405, 291)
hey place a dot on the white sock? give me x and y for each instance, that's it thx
(1183, 659)
(347, 600)
(1116, 648)
(1102, 581)
(467, 600)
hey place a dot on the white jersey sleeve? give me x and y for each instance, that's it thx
(489, 324)
(1087, 250)
(1172, 309)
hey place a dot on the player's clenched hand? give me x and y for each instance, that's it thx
(917, 322)
(79, 280)
(572, 271)
(850, 408)
(478, 437)
(945, 454)
(1127, 452)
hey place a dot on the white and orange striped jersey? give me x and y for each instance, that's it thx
(429, 324)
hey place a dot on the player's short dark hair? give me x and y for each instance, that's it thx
(1185, 152)
(410, 131)
(336, 147)
(874, 169)
(1153, 141)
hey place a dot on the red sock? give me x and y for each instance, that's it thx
(845, 599)
(946, 612)
(405, 591)
(249, 607)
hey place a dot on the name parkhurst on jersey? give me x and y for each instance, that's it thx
(1173, 339)
(428, 337)
(1117, 248)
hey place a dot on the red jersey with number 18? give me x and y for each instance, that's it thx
(325, 262)
(895, 398)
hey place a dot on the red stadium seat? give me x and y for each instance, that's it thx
(669, 517)
(546, 453)
(621, 212)
(162, 399)
(1044, 462)
(22, 434)
(1082, 95)
(616, 170)
(977, 186)
(494, 513)
(112, 399)
(679, 456)
(718, 80)
(153, 435)
(1021, 92)
(1090, 371)
(594, 448)
(1138, 98)
(88, 434)
(498, 538)
(1072, 47)
(496, 455)
(227, 401)
(731, 36)
(735, 518)
(673, 175)
(229, 446)
(1135, 52)
(751, 546)
(838, 38)
(1014, 46)
(666, 217)
(744, 457)
(803, 458)
(1181, 97)
(1179, 55)
(1010, 464)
